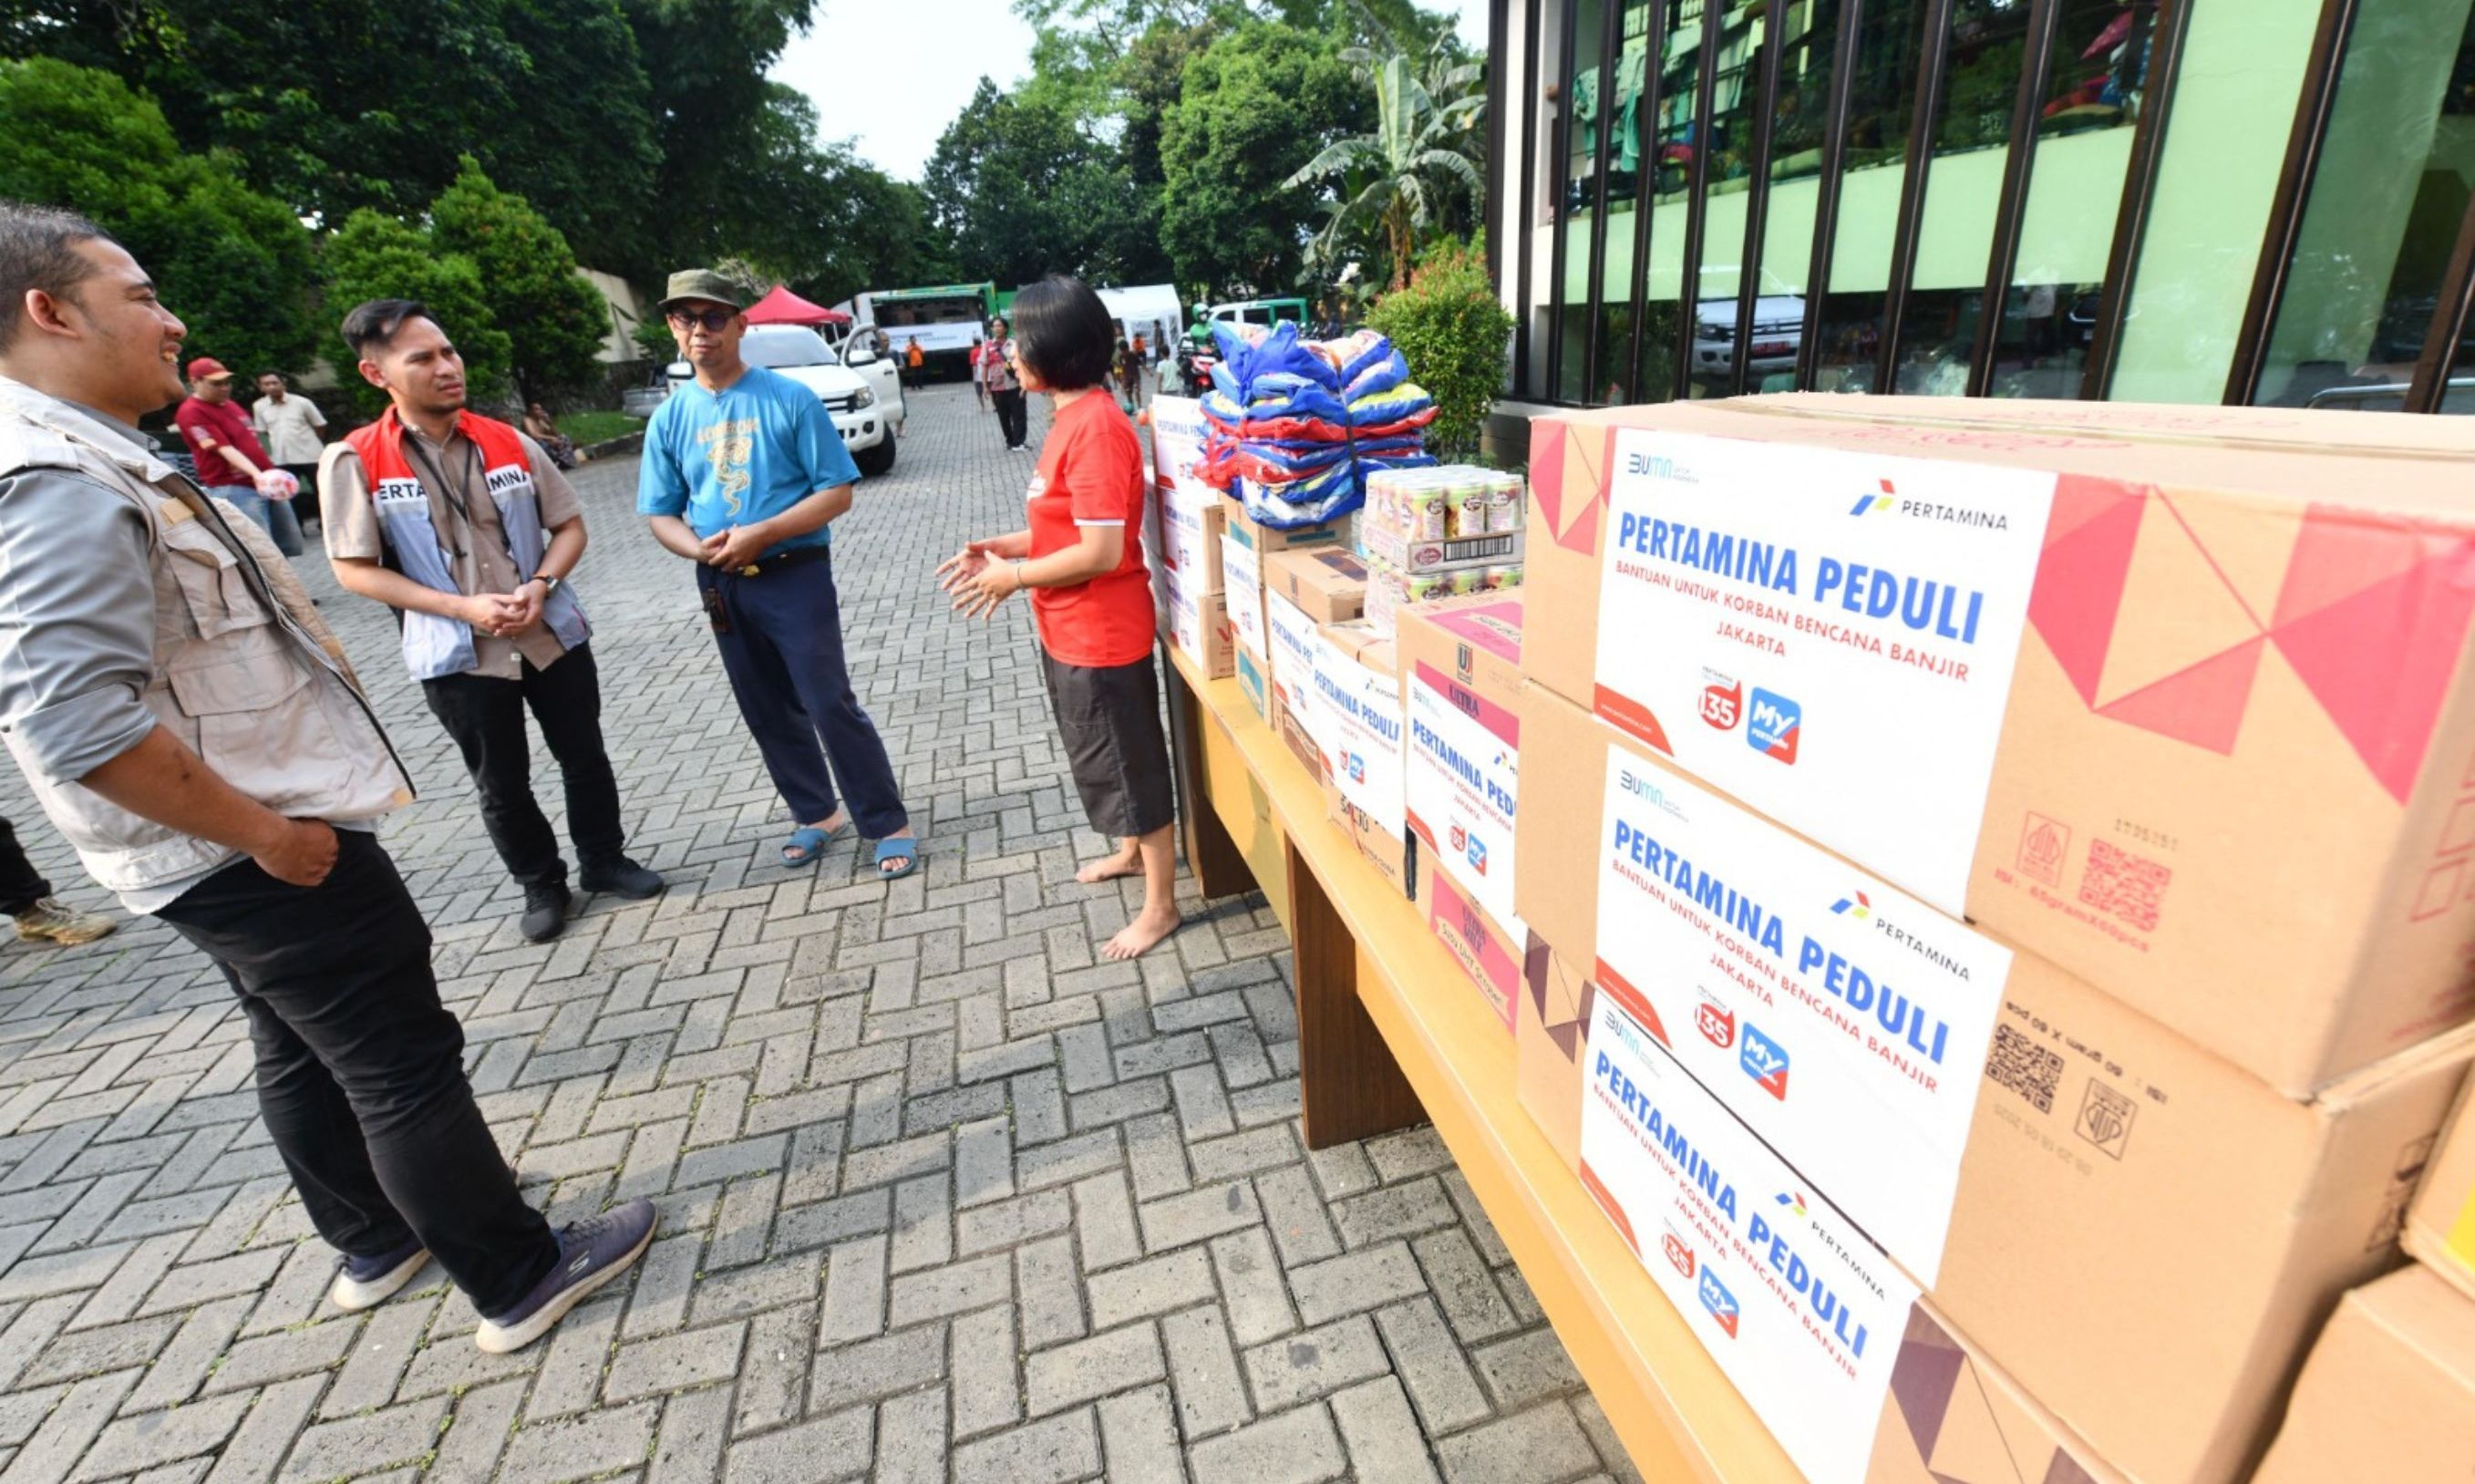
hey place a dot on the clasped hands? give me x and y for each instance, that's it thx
(502, 614)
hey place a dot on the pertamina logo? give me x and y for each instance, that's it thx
(1679, 1253)
(1878, 504)
(1723, 700)
(1765, 1061)
(1721, 1304)
(1775, 725)
(1716, 1022)
(1793, 1200)
(1854, 904)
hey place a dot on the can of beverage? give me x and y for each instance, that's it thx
(1507, 502)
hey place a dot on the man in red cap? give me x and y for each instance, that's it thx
(231, 464)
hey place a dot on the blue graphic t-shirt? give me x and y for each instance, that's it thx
(734, 457)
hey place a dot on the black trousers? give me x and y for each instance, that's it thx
(21, 886)
(486, 717)
(1010, 416)
(360, 1071)
(305, 500)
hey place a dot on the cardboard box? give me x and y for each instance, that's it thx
(2055, 681)
(2388, 1393)
(1394, 857)
(2129, 1218)
(1326, 585)
(1450, 553)
(1357, 722)
(1199, 625)
(1291, 671)
(1460, 692)
(1241, 578)
(2440, 1226)
(1252, 681)
(1266, 540)
(1492, 953)
(1190, 531)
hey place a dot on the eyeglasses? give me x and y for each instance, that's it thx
(713, 321)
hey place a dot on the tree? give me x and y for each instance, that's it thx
(1403, 177)
(1455, 335)
(235, 264)
(1024, 189)
(1254, 107)
(554, 319)
(376, 256)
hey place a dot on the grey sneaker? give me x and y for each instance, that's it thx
(52, 920)
(366, 1282)
(590, 1253)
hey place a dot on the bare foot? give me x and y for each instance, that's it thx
(1125, 863)
(1140, 935)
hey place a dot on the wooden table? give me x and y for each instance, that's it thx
(1390, 1033)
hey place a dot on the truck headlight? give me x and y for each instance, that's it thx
(865, 398)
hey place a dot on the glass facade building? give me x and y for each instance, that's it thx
(2270, 201)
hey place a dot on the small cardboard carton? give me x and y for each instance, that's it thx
(2185, 708)
(1290, 670)
(1857, 1376)
(2440, 1226)
(1190, 532)
(1241, 578)
(1266, 540)
(1357, 722)
(2388, 1393)
(1252, 680)
(1461, 689)
(1490, 952)
(1199, 625)
(2124, 1216)
(1328, 585)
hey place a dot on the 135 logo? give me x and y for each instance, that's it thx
(1723, 700)
(1680, 1253)
(1716, 1022)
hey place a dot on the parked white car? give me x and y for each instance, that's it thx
(851, 400)
(859, 352)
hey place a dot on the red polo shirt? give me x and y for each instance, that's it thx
(208, 426)
(1092, 474)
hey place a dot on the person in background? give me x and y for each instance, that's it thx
(464, 526)
(1003, 389)
(289, 427)
(542, 430)
(27, 898)
(123, 584)
(232, 463)
(979, 360)
(1090, 597)
(1130, 372)
(743, 474)
(914, 360)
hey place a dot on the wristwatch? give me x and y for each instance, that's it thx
(549, 584)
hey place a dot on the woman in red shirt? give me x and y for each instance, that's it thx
(1091, 594)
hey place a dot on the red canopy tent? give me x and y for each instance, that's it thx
(784, 307)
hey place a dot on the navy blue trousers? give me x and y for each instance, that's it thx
(782, 648)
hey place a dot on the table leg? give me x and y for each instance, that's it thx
(1349, 1085)
(1219, 869)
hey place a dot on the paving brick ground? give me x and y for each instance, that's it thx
(944, 1195)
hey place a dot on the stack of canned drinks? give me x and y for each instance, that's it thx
(1439, 532)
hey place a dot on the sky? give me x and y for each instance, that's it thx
(890, 74)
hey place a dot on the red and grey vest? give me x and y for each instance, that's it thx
(434, 645)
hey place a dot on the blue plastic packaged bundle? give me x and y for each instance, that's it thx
(1298, 425)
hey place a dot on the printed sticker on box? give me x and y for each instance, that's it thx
(1463, 780)
(1292, 655)
(1359, 711)
(1829, 636)
(1178, 433)
(1803, 1315)
(1242, 575)
(1843, 1019)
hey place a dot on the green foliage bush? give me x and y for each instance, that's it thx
(376, 256)
(1455, 335)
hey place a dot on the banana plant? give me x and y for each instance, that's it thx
(1401, 180)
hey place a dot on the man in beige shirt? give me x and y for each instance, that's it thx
(290, 427)
(464, 525)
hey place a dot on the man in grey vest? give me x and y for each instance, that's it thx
(195, 733)
(463, 525)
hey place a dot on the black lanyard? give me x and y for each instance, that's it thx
(463, 511)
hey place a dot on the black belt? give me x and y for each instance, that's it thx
(779, 561)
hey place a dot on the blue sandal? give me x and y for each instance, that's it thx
(810, 840)
(888, 849)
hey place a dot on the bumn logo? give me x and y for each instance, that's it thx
(1721, 1304)
(1775, 725)
(1716, 1022)
(1679, 1253)
(1765, 1061)
(1878, 504)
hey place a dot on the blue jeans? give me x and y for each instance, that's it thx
(274, 517)
(781, 646)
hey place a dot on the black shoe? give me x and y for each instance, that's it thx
(591, 1253)
(544, 913)
(620, 876)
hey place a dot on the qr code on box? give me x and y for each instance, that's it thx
(2127, 886)
(2025, 1067)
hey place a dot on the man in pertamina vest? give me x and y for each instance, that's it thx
(191, 727)
(464, 526)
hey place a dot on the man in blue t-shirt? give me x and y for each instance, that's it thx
(743, 475)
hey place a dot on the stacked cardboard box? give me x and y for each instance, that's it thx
(1358, 726)
(1303, 589)
(1244, 545)
(1182, 533)
(1440, 532)
(2441, 1230)
(2178, 719)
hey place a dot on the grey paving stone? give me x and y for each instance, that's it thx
(695, 1426)
(1543, 1444)
(366, 1444)
(579, 1448)
(645, 1367)
(1139, 1435)
(1203, 1373)
(1363, 1279)
(1156, 1286)
(1315, 1362)
(876, 1367)
(1294, 1448)
(1070, 1374)
(830, 1448)
(1048, 1451)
